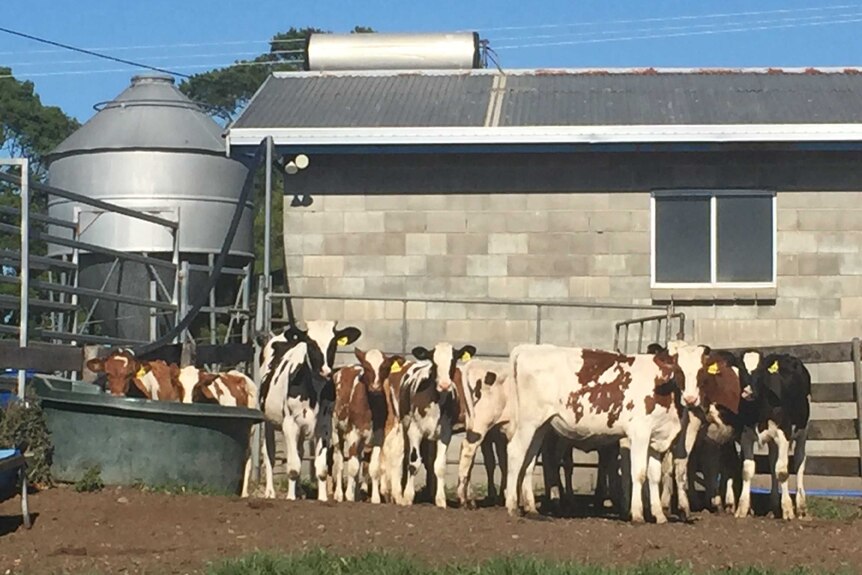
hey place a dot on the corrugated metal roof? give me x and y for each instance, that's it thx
(553, 98)
(394, 100)
(679, 99)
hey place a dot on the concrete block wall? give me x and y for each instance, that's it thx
(567, 227)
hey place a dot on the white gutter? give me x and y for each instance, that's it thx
(715, 133)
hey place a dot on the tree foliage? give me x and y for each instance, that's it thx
(28, 127)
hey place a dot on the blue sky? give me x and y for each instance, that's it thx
(527, 34)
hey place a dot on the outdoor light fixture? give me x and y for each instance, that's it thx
(291, 167)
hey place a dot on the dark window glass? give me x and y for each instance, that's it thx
(744, 239)
(682, 237)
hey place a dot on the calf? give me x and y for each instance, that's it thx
(127, 376)
(359, 420)
(485, 385)
(429, 405)
(594, 398)
(296, 393)
(780, 393)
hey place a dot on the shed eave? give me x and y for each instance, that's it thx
(641, 134)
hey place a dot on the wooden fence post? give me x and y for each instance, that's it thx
(856, 354)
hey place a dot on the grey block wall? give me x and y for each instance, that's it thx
(567, 227)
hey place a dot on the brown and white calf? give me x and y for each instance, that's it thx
(359, 420)
(228, 389)
(485, 385)
(128, 376)
(594, 398)
(297, 394)
(429, 406)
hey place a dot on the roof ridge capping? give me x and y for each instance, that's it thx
(644, 71)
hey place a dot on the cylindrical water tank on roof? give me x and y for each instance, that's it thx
(154, 150)
(454, 51)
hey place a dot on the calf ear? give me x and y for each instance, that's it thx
(466, 353)
(396, 363)
(141, 387)
(96, 365)
(347, 335)
(360, 355)
(655, 348)
(421, 353)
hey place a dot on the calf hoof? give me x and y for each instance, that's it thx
(637, 519)
(730, 509)
(660, 519)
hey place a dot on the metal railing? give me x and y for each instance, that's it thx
(539, 305)
(641, 322)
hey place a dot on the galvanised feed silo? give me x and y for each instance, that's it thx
(151, 149)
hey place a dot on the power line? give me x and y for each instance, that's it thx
(126, 70)
(89, 52)
(670, 18)
(680, 34)
(171, 57)
(718, 26)
(160, 46)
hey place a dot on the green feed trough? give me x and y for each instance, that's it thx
(142, 442)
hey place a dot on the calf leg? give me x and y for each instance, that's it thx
(374, 470)
(531, 457)
(746, 442)
(338, 467)
(502, 462)
(472, 440)
(489, 460)
(516, 455)
(654, 472)
(799, 459)
(353, 447)
(667, 480)
(393, 462)
(293, 460)
(440, 474)
(625, 478)
(682, 450)
(551, 468)
(320, 467)
(268, 460)
(568, 464)
(414, 439)
(782, 474)
(711, 464)
(638, 451)
(730, 474)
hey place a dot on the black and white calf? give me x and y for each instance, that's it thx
(780, 388)
(430, 409)
(296, 393)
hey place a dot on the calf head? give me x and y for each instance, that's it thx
(719, 383)
(443, 360)
(377, 367)
(195, 385)
(690, 360)
(323, 338)
(120, 368)
(751, 360)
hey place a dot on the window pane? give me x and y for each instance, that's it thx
(745, 239)
(682, 240)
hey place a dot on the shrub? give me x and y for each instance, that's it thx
(22, 425)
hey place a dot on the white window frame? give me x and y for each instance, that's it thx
(713, 216)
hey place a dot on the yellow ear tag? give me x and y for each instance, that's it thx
(396, 367)
(342, 340)
(773, 368)
(466, 356)
(712, 369)
(141, 373)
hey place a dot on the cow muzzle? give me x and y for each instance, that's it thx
(444, 386)
(691, 400)
(325, 371)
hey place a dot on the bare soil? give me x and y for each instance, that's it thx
(129, 531)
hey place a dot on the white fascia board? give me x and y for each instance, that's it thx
(707, 133)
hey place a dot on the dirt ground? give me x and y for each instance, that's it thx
(128, 531)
